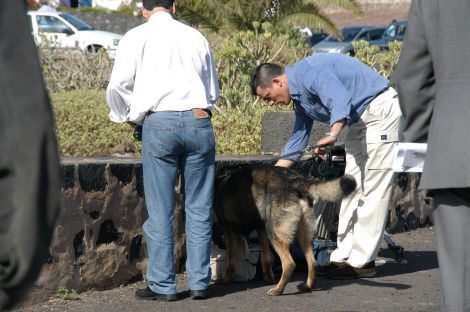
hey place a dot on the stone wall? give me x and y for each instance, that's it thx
(277, 129)
(117, 23)
(98, 241)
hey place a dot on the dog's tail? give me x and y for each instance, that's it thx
(335, 190)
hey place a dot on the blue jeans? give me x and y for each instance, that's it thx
(173, 141)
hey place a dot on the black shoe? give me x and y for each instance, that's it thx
(329, 266)
(350, 272)
(148, 294)
(198, 294)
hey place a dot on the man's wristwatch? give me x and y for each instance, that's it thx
(332, 134)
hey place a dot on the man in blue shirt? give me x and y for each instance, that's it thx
(341, 91)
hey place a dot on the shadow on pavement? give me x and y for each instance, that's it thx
(416, 261)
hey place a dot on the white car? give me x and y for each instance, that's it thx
(63, 30)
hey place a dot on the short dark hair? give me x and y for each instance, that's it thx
(152, 4)
(264, 74)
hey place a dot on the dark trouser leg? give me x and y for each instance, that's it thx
(452, 220)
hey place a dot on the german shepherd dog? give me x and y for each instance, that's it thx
(279, 204)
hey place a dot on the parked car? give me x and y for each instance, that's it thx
(316, 37)
(63, 30)
(313, 37)
(395, 31)
(332, 44)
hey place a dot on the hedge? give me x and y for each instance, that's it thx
(77, 82)
(84, 129)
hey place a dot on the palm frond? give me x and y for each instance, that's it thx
(241, 14)
(201, 13)
(306, 15)
(313, 21)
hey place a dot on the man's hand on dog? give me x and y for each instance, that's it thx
(321, 151)
(330, 138)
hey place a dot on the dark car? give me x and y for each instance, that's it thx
(394, 31)
(313, 36)
(316, 37)
(332, 44)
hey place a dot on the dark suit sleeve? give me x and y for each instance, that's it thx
(29, 164)
(415, 79)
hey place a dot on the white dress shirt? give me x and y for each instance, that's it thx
(162, 65)
(46, 8)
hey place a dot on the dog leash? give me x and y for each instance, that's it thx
(306, 150)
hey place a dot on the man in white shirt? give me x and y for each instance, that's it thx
(46, 7)
(164, 79)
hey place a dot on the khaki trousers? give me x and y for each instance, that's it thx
(369, 146)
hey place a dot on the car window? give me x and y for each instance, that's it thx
(369, 35)
(375, 34)
(363, 36)
(395, 30)
(330, 39)
(391, 31)
(349, 34)
(401, 30)
(78, 23)
(317, 37)
(51, 24)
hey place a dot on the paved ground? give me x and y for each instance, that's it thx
(413, 286)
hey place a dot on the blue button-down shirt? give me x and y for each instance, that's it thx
(329, 87)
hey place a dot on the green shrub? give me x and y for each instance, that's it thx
(84, 129)
(384, 62)
(83, 126)
(67, 294)
(68, 69)
(77, 84)
(238, 130)
(242, 51)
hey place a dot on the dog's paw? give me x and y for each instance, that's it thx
(220, 281)
(228, 275)
(307, 287)
(275, 292)
(224, 281)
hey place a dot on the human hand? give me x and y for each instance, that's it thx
(320, 150)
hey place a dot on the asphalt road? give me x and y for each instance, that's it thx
(411, 286)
